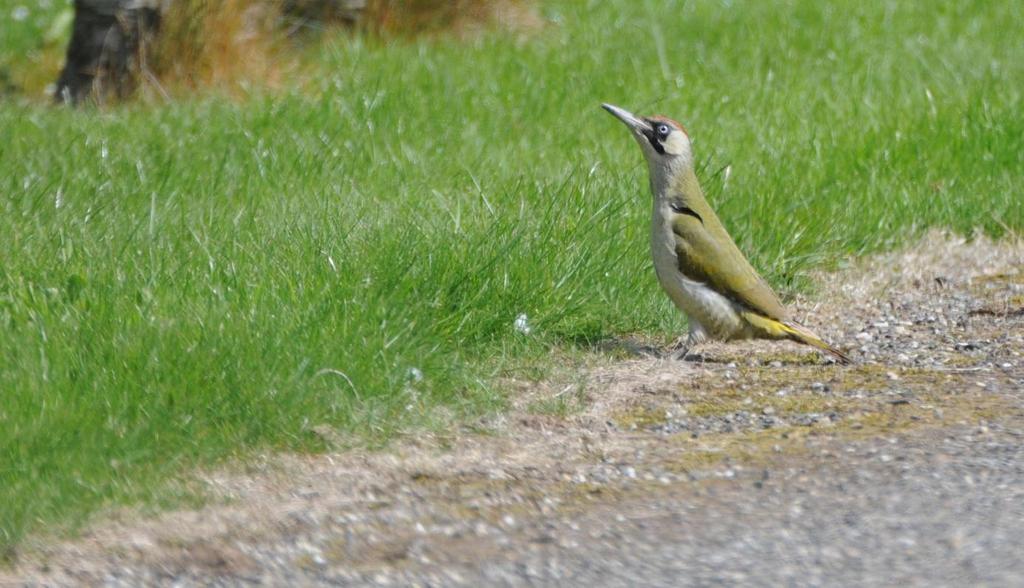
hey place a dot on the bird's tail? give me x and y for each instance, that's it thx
(794, 332)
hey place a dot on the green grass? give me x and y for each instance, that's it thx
(183, 283)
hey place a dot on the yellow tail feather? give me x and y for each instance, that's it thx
(774, 329)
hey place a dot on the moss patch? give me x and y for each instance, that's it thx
(640, 417)
(861, 421)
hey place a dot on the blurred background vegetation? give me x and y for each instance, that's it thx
(229, 44)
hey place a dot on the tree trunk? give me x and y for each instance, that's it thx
(107, 49)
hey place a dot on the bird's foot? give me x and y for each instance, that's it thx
(684, 345)
(680, 348)
(687, 353)
(680, 353)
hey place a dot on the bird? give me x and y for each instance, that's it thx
(697, 263)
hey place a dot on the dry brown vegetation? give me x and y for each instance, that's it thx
(461, 16)
(219, 44)
(230, 44)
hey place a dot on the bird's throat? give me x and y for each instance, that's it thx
(677, 185)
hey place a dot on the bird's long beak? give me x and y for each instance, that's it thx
(635, 124)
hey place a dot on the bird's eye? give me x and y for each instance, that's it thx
(663, 131)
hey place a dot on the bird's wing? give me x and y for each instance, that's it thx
(703, 245)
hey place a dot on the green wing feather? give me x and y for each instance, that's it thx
(708, 254)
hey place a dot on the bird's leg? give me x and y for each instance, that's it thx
(696, 336)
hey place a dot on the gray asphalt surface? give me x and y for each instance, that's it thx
(940, 510)
(943, 508)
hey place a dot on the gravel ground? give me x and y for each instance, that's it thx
(763, 464)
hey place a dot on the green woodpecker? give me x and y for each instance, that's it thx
(697, 262)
